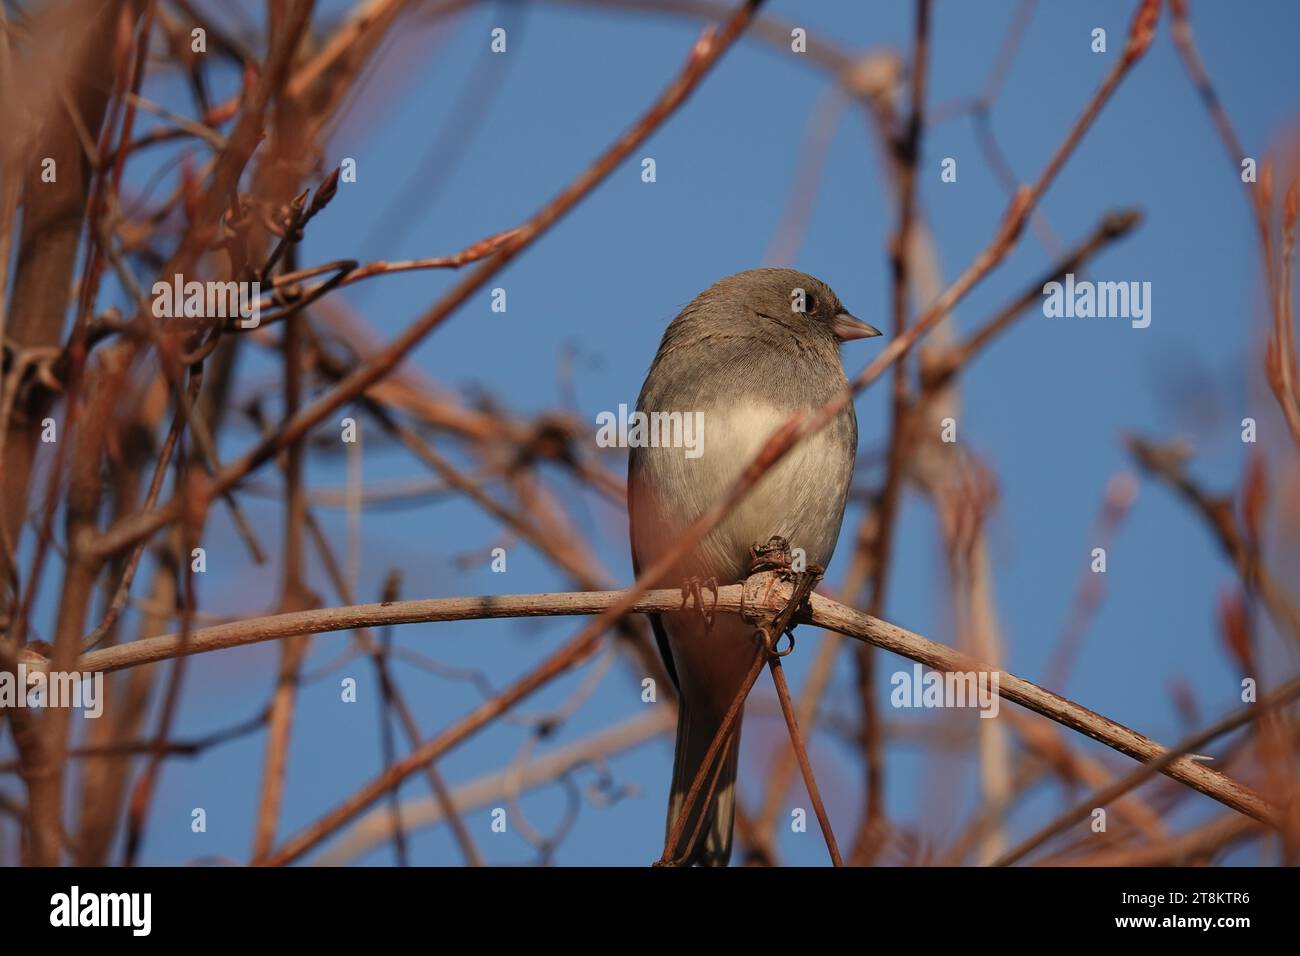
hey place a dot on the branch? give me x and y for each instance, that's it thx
(758, 597)
(1167, 464)
(1109, 794)
(423, 812)
(706, 52)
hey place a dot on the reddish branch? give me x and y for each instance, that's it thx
(706, 52)
(760, 595)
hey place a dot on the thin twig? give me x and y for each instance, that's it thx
(801, 753)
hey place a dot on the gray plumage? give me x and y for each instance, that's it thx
(741, 355)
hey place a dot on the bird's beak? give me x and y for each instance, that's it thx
(847, 328)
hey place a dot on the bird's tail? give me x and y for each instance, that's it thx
(696, 728)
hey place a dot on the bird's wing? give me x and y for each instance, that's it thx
(656, 624)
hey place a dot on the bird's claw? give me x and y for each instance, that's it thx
(778, 556)
(773, 556)
(693, 591)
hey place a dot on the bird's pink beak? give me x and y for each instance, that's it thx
(847, 328)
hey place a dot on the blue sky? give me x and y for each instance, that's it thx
(1045, 407)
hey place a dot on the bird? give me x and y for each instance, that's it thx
(744, 355)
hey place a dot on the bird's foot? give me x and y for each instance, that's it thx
(693, 592)
(777, 555)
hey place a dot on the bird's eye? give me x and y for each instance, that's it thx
(810, 303)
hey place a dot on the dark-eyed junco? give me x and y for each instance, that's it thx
(745, 354)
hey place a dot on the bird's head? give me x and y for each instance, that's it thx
(801, 303)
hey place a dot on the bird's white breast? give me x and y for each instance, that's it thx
(800, 498)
